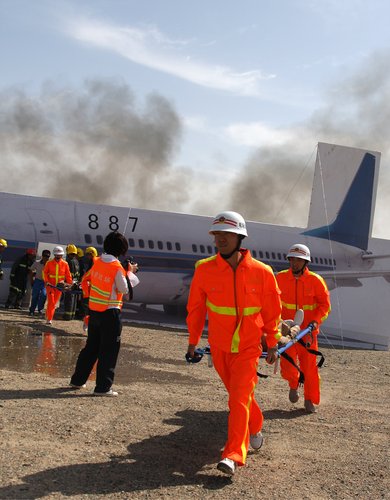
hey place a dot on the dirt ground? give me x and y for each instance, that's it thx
(161, 438)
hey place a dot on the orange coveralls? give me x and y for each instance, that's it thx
(241, 306)
(310, 293)
(55, 272)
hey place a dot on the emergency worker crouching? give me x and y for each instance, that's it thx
(56, 275)
(240, 297)
(302, 289)
(18, 279)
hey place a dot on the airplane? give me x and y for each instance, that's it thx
(166, 245)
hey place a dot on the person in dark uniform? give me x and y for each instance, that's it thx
(3, 246)
(18, 279)
(70, 301)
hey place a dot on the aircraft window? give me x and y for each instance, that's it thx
(88, 238)
(325, 260)
(194, 248)
(334, 262)
(99, 239)
(267, 255)
(261, 255)
(273, 255)
(169, 245)
(321, 261)
(160, 245)
(285, 256)
(209, 249)
(141, 243)
(150, 244)
(177, 246)
(316, 260)
(254, 254)
(131, 242)
(279, 256)
(202, 248)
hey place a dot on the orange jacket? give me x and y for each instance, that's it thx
(103, 292)
(55, 272)
(241, 304)
(308, 292)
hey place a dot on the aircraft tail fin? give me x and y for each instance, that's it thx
(351, 208)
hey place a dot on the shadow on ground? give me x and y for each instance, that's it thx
(184, 457)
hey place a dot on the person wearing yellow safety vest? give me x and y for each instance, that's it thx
(303, 289)
(3, 246)
(56, 275)
(240, 297)
(109, 283)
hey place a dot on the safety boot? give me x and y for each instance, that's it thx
(309, 407)
(293, 395)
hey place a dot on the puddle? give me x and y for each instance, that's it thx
(25, 349)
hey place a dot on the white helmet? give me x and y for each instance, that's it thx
(300, 251)
(58, 251)
(230, 222)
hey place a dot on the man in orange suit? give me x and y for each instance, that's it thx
(303, 289)
(240, 297)
(56, 274)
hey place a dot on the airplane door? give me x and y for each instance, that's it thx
(45, 228)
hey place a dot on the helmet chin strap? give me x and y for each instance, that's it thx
(227, 256)
(299, 273)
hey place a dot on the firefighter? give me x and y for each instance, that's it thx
(3, 246)
(70, 301)
(302, 289)
(109, 283)
(56, 275)
(18, 279)
(240, 297)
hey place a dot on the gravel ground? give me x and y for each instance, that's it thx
(161, 438)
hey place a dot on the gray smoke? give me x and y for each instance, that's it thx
(275, 184)
(92, 145)
(95, 144)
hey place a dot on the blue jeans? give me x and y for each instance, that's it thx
(38, 295)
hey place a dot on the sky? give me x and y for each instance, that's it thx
(191, 106)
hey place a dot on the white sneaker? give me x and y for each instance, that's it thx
(74, 386)
(48, 322)
(109, 393)
(256, 441)
(227, 466)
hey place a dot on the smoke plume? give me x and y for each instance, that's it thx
(92, 145)
(275, 184)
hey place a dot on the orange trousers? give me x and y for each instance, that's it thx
(53, 296)
(238, 372)
(307, 363)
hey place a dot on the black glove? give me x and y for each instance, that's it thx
(198, 355)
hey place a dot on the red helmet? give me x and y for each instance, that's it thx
(31, 251)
